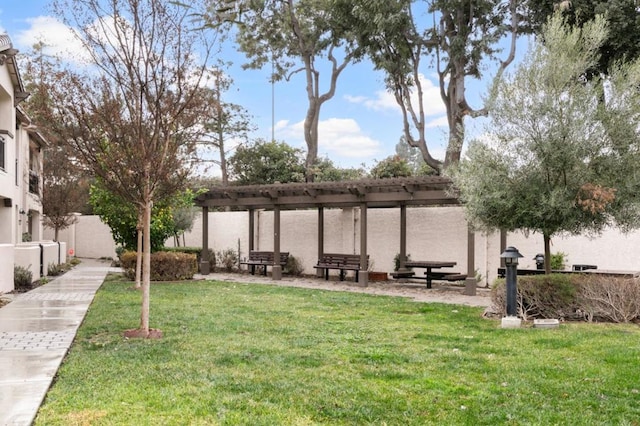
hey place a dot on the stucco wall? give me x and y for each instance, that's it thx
(28, 256)
(436, 233)
(6, 267)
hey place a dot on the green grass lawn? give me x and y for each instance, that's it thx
(269, 355)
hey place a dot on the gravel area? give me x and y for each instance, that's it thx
(416, 290)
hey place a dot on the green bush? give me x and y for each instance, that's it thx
(165, 266)
(293, 266)
(558, 261)
(22, 277)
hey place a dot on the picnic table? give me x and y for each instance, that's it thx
(430, 274)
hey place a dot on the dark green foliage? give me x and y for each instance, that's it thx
(558, 261)
(266, 162)
(391, 167)
(22, 277)
(396, 261)
(165, 266)
(623, 16)
(293, 266)
(325, 171)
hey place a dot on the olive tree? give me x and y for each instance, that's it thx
(555, 158)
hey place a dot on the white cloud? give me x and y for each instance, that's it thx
(58, 38)
(384, 100)
(338, 138)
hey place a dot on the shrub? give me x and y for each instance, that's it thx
(293, 266)
(227, 259)
(396, 261)
(56, 269)
(22, 277)
(540, 296)
(558, 261)
(197, 251)
(165, 266)
(609, 299)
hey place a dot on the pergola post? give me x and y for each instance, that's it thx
(470, 282)
(252, 227)
(276, 269)
(205, 268)
(320, 272)
(363, 274)
(403, 238)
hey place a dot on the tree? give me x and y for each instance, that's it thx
(132, 114)
(122, 218)
(64, 181)
(292, 35)
(413, 158)
(556, 159)
(326, 171)
(267, 162)
(464, 37)
(623, 17)
(390, 167)
(228, 122)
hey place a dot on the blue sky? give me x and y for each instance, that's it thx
(360, 125)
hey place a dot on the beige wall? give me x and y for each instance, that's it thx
(6, 267)
(436, 233)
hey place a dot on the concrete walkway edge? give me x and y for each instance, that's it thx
(36, 330)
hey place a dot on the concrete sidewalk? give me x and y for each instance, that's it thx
(36, 331)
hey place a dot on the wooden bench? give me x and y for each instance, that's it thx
(341, 262)
(264, 259)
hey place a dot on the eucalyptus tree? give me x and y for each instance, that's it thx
(291, 37)
(131, 112)
(227, 126)
(459, 37)
(556, 159)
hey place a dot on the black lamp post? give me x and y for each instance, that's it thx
(510, 256)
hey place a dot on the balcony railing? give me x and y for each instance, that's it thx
(34, 183)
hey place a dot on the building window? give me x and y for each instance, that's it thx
(2, 150)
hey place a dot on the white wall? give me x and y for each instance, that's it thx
(434, 233)
(28, 256)
(6, 267)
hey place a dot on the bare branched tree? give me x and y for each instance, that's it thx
(132, 113)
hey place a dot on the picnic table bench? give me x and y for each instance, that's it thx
(342, 262)
(263, 259)
(430, 274)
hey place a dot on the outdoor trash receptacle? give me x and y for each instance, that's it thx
(539, 261)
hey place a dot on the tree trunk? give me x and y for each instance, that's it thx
(139, 251)
(146, 269)
(547, 254)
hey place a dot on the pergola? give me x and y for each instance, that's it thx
(366, 194)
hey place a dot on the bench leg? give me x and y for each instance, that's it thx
(253, 269)
(428, 277)
(265, 271)
(326, 274)
(342, 274)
